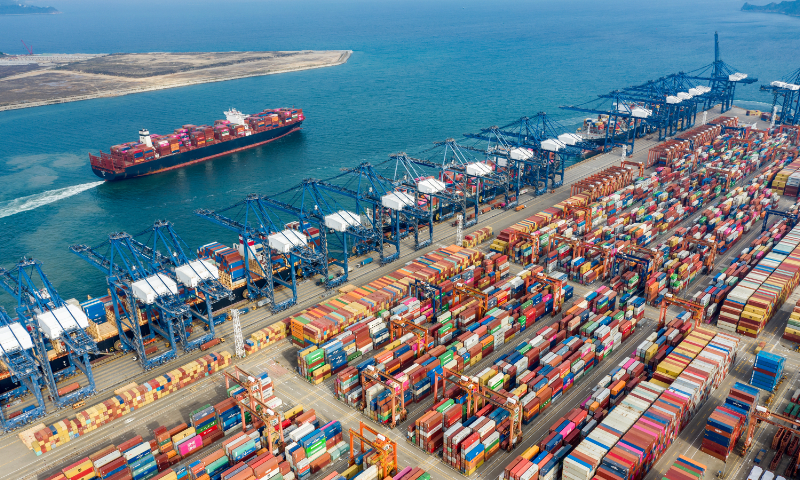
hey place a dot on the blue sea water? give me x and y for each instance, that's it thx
(421, 71)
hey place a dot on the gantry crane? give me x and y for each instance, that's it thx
(371, 376)
(636, 118)
(399, 326)
(724, 173)
(698, 311)
(140, 291)
(535, 247)
(556, 285)
(48, 317)
(579, 249)
(250, 400)
(668, 104)
(762, 414)
(405, 207)
(477, 396)
(537, 143)
(647, 259)
(790, 217)
(424, 290)
(637, 165)
(382, 447)
(710, 256)
(165, 250)
(17, 352)
(200, 278)
(722, 79)
(790, 151)
(518, 163)
(460, 291)
(315, 196)
(409, 176)
(786, 95)
(257, 219)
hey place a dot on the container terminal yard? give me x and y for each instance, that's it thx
(634, 319)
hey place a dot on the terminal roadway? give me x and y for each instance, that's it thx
(279, 360)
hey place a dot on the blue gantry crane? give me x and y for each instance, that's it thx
(786, 97)
(667, 105)
(369, 237)
(349, 232)
(449, 173)
(17, 352)
(722, 80)
(399, 202)
(790, 217)
(49, 318)
(423, 178)
(539, 146)
(621, 110)
(672, 102)
(517, 162)
(140, 292)
(482, 176)
(200, 278)
(257, 220)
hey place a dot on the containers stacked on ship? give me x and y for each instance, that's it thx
(191, 143)
(767, 370)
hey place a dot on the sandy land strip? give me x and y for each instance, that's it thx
(124, 74)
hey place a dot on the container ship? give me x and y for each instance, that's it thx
(192, 144)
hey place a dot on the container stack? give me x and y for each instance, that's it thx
(265, 337)
(684, 468)
(42, 439)
(428, 428)
(348, 386)
(476, 238)
(204, 421)
(767, 370)
(792, 330)
(588, 456)
(676, 361)
(312, 366)
(723, 428)
(409, 473)
(600, 455)
(241, 455)
(762, 291)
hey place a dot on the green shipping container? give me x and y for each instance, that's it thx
(314, 356)
(200, 410)
(446, 357)
(206, 427)
(217, 465)
(445, 405)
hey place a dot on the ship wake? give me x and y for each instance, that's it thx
(31, 202)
